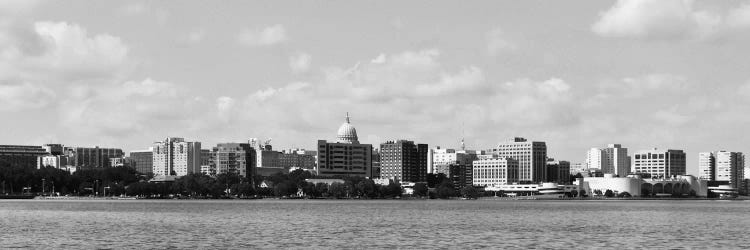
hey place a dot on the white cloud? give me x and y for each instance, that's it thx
(20, 97)
(378, 60)
(497, 42)
(666, 19)
(300, 63)
(265, 37)
(69, 50)
(224, 106)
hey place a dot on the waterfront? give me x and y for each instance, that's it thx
(373, 224)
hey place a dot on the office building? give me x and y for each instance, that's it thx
(403, 161)
(176, 157)
(237, 158)
(461, 175)
(558, 171)
(346, 156)
(531, 157)
(89, 158)
(611, 160)
(439, 159)
(297, 159)
(142, 160)
(495, 172)
(24, 156)
(659, 163)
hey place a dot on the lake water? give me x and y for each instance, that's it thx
(373, 224)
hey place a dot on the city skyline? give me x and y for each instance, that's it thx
(602, 72)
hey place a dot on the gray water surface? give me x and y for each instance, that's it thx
(379, 224)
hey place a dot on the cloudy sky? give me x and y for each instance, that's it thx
(576, 74)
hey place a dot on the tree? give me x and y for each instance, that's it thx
(446, 190)
(574, 193)
(337, 190)
(624, 195)
(470, 192)
(420, 189)
(609, 193)
(582, 193)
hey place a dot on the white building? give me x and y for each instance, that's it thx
(531, 157)
(611, 160)
(635, 185)
(175, 156)
(660, 163)
(494, 172)
(439, 159)
(722, 166)
(706, 166)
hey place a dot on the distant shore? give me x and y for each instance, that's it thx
(489, 198)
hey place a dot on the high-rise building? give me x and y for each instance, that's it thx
(24, 156)
(706, 166)
(142, 160)
(439, 159)
(238, 158)
(403, 160)
(531, 157)
(175, 156)
(722, 166)
(346, 156)
(660, 163)
(88, 158)
(611, 160)
(558, 171)
(494, 172)
(461, 175)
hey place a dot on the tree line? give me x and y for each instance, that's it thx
(116, 181)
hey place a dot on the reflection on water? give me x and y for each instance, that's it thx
(374, 224)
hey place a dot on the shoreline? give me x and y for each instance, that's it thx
(524, 198)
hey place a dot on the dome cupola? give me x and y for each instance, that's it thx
(347, 133)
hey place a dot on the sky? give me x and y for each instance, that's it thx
(670, 74)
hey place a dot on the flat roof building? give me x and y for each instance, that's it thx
(346, 156)
(659, 163)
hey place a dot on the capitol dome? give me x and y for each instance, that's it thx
(347, 133)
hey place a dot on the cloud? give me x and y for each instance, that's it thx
(20, 97)
(68, 48)
(497, 42)
(667, 19)
(224, 106)
(300, 63)
(265, 37)
(130, 107)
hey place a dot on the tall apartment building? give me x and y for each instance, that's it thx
(25, 156)
(660, 163)
(175, 156)
(494, 172)
(722, 166)
(142, 160)
(531, 157)
(613, 159)
(706, 166)
(346, 156)
(238, 158)
(403, 160)
(88, 158)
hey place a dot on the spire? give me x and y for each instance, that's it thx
(347, 117)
